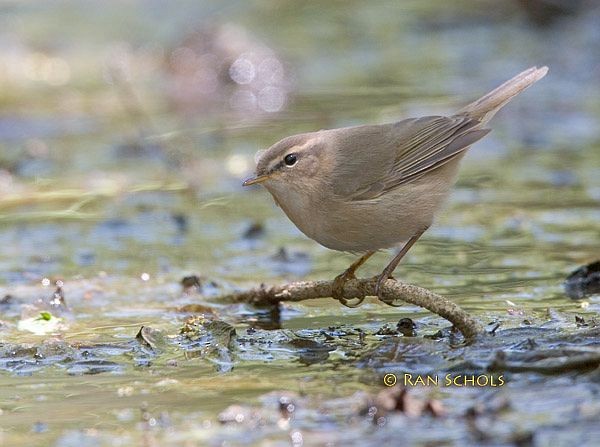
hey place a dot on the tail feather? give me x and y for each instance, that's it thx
(486, 107)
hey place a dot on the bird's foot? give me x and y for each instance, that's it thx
(337, 290)
(379, 286)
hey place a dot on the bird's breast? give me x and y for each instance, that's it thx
(346, 226)
(364, 225)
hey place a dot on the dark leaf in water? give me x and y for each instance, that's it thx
(527, 344)
(267, 317)
(584, 281)
(93, 367)
(309, 351)
(191, 282)
(150, 337)
(494, 329)
(406, 327)
(254, 231)
(580, 321)
(181, 222)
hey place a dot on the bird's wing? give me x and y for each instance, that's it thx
(410, 149)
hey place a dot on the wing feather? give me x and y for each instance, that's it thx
(417, 146)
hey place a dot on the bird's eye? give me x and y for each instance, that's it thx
(290, 159)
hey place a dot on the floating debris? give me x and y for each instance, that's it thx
(310, 352)
(191, 283)
(254, 231)
(584, 281)
(407, 327)
(181, 222)
(150, 337)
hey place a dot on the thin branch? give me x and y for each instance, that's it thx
(392, 291)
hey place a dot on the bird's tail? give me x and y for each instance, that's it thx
(486, 107)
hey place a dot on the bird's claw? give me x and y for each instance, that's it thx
(337, 291)
(378, 289)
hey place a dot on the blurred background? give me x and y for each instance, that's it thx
(100, 100)
(126, 129)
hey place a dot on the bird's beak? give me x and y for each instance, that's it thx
(254, 180)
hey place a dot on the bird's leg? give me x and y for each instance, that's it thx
(389, 269)
(337, 291)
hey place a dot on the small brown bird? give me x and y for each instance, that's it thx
(366, 188)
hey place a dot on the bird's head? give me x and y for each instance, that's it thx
(292, 163)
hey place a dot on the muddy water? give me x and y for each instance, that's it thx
(118, 191)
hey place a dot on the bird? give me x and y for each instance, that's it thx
(367, 188)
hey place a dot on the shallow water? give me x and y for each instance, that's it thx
(108, 186)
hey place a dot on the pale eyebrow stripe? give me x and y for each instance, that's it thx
(293, 149)
(258, 155)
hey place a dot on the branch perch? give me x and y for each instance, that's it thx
(392, 291)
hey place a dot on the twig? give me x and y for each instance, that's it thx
(392, 291)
